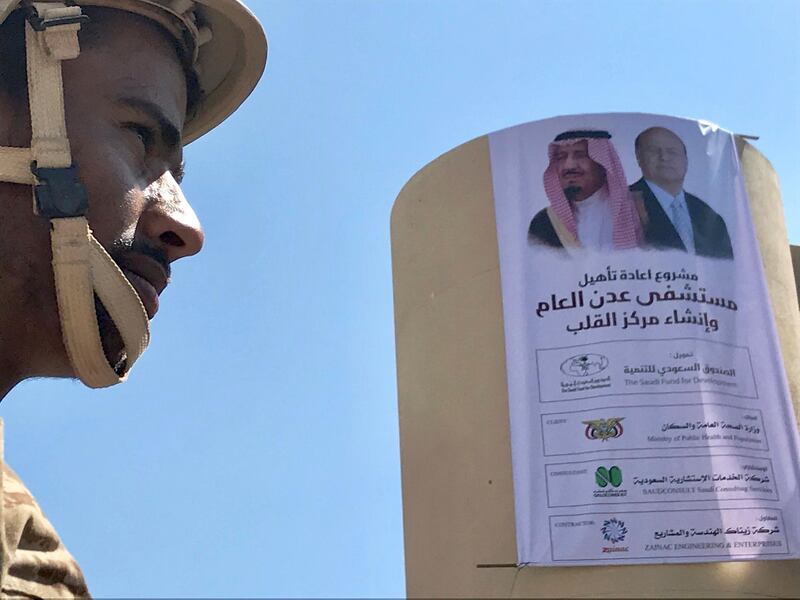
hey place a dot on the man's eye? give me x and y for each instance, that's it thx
(145, 134)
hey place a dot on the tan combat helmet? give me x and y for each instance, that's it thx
(228, 50)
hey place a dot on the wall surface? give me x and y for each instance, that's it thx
(453, 405)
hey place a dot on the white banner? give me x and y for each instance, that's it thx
(650, 415)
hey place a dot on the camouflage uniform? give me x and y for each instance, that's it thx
(35, 564)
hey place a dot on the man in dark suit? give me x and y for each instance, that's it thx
(674, 218)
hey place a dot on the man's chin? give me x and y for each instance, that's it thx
(573, 192)
(669, 177)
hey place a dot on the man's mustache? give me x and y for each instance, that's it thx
(121, 249)
(572, 172)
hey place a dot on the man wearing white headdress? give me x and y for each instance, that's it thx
(590, 204)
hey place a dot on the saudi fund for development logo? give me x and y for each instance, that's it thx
(584, 365)
(614, 530)
(604, 429)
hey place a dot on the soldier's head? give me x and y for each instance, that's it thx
(132, 98)
(662, 157)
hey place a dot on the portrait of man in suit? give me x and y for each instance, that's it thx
(590, 205)
(674, 219)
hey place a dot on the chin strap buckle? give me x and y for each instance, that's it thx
(40, 23)
(57, 29)
(59, 194)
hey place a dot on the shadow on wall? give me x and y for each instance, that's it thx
(796, 263)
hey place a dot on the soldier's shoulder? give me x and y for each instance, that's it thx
(39, 565)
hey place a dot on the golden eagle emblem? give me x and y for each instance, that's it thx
(604, 429)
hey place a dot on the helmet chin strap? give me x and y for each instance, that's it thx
(81, 267)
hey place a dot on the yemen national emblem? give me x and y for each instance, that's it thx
(604, 429)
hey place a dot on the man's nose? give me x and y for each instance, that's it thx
(169, 220)
(570, 162)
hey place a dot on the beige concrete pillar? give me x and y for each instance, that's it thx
(766, 209)
(455, 447)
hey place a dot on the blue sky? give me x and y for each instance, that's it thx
(255, 450)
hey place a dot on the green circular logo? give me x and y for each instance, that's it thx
(605, 477)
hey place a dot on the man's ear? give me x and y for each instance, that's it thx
(15, 127)
(6, 118)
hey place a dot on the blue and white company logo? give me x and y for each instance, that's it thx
(584, 365)
(614, 530)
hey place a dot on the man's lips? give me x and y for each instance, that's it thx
(148, 278)
(146, 291)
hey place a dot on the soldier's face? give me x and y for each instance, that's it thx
(125, 98)
(662, 157)
(579, 175)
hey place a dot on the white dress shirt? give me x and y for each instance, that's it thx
(666, 200)
(594, 222)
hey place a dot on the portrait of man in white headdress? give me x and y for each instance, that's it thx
(590, 203)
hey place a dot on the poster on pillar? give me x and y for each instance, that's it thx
(650, 415)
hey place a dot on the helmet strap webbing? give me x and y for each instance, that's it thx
(81, 267)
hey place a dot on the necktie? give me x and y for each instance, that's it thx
(682, 223)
